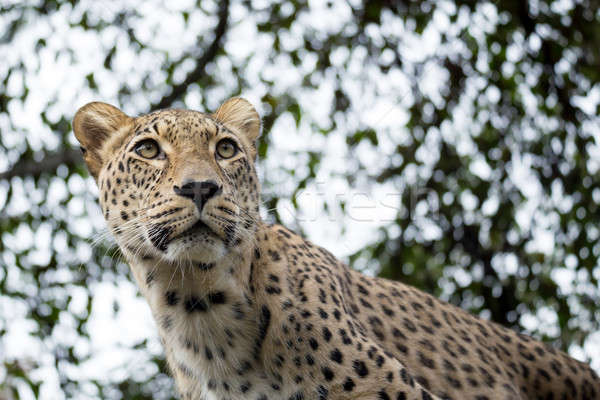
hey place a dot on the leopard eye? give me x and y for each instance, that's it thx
(147, 148)
(226, 148)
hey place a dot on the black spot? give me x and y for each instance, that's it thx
(263, 326)
(544, 374)
(365, 303)
(185, 369)
(327, 373)
(402, 348)
(382, 395)
(449, 366)
(273, 290)
(571, 385)
(245, 367)
(208, 353)
(322, 294)
(217, 298)
(390, 377)
(159, 236)
(360, 368)
(274, 255)
(205, 266)
(313, 343)
(337, 314)
(193, 303)
(171, 298)
(283, 232)
(425, 395)
(455, 383)
(422, 381)
(150, 278)
(397, 333)
(388, 311)
(406, 377)
(326, 334)
(286, 304)
(378, 334)
(323, 313)
(408, 324)
(349, 384)
(336, 356)
(167, 322)
(362, 290)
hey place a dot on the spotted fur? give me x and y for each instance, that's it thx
(248, 310)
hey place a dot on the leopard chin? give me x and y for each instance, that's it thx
(199, 242)
(197, 246)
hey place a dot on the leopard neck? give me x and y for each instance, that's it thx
(207, 315)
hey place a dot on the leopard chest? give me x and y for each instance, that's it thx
(219, 350)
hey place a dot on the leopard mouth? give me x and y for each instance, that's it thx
(160, 236)
(197, 227)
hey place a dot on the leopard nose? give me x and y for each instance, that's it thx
(198, 192)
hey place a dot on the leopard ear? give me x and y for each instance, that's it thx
(239, 114)
(100, 128)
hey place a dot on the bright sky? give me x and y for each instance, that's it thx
(379, 101)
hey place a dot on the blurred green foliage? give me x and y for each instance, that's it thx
(496, 162)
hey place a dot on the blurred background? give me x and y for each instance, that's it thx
(452, 145)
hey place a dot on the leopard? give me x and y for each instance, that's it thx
(247, 309)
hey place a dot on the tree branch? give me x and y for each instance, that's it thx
(209, 54)
(72, 157)
(28, 167)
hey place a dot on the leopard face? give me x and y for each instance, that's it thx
(175, 184)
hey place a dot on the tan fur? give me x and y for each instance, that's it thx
(100, 128)
(247, 310)
(241, 115)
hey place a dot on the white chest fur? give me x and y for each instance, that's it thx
(211, 330)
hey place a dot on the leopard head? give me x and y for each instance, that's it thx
(177, 184)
